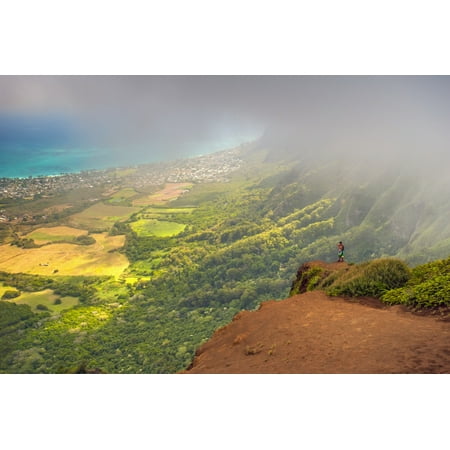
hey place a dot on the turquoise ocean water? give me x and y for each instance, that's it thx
(50, 145)
(22, 163)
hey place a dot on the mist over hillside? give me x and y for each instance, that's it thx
(380, 208)
(383, 120)
(361, 160)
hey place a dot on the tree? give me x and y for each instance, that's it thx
(10, 294)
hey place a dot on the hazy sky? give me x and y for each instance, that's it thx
(172, 115)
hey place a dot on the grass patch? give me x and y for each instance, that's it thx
(121, 196)
(207, 192)
(153, 227)
(166, 211)
(97, 259)
(101, 216)
(372, 279)
(46, 298)
(55, 234)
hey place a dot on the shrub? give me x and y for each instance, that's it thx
(371, 279)
(308, 278)
(10, 294)
(430, 293)
(41, 307)
(85, 240)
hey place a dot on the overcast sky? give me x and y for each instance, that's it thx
(376, 115)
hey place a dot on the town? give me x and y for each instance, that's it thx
(207, 168)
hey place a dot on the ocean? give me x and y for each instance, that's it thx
(23, 163)
(38, 160)
(32, 146)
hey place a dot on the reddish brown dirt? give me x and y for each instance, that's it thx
(314, 333)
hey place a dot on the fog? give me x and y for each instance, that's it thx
(379, 119)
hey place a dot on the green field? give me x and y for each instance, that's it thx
(101, 216)
(46, 298)
(122, 195)
(152, 227)
(165, 211)
(55, 234)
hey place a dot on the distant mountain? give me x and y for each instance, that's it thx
(379, 208)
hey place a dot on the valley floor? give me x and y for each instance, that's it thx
(314, 333)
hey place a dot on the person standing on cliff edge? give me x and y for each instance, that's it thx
(340, 247)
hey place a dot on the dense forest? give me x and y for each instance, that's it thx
(238, 243)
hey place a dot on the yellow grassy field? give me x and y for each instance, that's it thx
(51, 234)
(67, 259)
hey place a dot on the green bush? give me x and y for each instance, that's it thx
(308, 278)
(371, 279)
(10, 294)
(10, 314)
(41, 307)
(430, 293)
(85, 240)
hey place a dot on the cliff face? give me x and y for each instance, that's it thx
(310, 274)
(314, 333)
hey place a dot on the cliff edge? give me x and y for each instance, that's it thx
(314, 333)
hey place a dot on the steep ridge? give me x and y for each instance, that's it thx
(314, 333)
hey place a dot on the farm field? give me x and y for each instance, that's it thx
(121, 195)
(54, 234)
(170, 192)
(162, 211)
(67, 259)
(46, 298)
(160, 228)
(101, 216)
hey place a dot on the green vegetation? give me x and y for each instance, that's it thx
(122, 197)
(85, 240)
(153, 227)
(15, 321)
(7, 295)
(429, 286)
(156, 212)
(391, 280)
(47, 298)
(100, 217)
(24, 243)
(370, 279)
(55, 234)
(308, 279)
(198, 260)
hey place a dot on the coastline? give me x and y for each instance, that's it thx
(212, 167)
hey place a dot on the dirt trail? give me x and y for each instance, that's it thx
(314, 333)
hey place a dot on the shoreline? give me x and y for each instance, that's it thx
(139, 165)
(211, 167)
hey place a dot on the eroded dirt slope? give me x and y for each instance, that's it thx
(314, 333)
